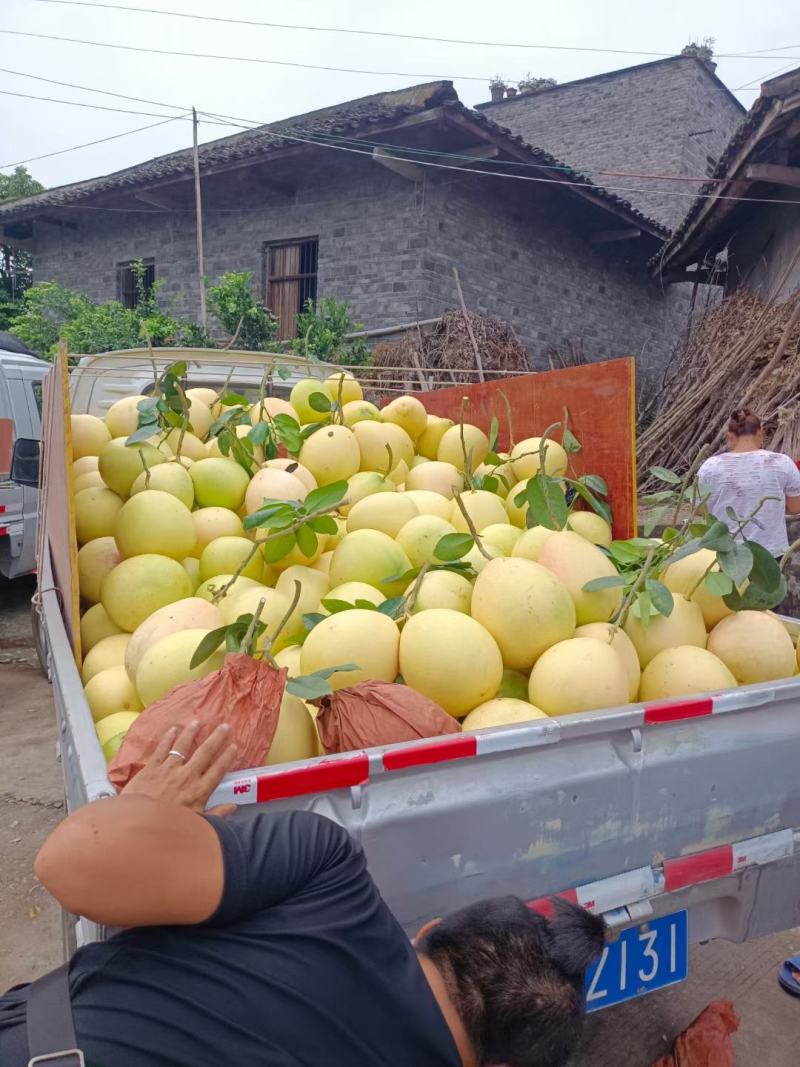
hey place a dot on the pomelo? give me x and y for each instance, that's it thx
(272, 484)
(300, 398)
(154, 522)
(365, 638)
(591, 526)
(429, 503)
(419, 537)
(517, 513)
(475, 446)
(110, 652)
(190, 446)
(90, 435)
(350, 592)
(684, 576)
(90, 480)
(530, 543)
(120, 464)
(224, 555)
(271, 406)
(386, 512)
(515, 685)
(192, 567)
(171, 477)
(219, 483)
(450, 658)
(323, 564)
(85, 465)
(365, 483)
(314, 585)
(112, 729)
(193, 613)
(501, 711)
(525, 458)
(275, 609)
(296, 735)
(429, 439)
(372, 557)
(200, 416)
(95, 626)
(289, 658)
(503, 535)
(211, 523)
(683, 627)
(477, 560)
(383, 445)
(165, 664)
(331, 454)
(622, 645)
(754, 646)
(295, 468)
(207, 590)
(331, 540)
(682, 672)
(524, 607)
(408, 413)
(111, 691)
(575, 562)
(502, 475)
(417, 461)
(122, 418)
(96, 511)
(444, 589)
(137, 587)
(360, 411)
(581, 674)
(343, 388)
(204, 394)
(484, 509)
(95, 560)
(436, 477)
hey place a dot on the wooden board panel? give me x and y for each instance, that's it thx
(600, 399)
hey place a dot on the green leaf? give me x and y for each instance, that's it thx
(312, 619)
(623, 552)
(259, 434)
(654, 518)
(669, 533)
(283, 372)
(306, 541)
(491, 459)
(327, 496)
(717, 583)
(320, 402)
(660, 596)
(453, 546)
(143, 433)
(595, 483)
(599, 506)
(323, 524)
(569, 441)
(273, 551)
(313, 686)
(367, 605)
(664, 475)
(736, 563)
(408, 576)
(766, 587)
(288, 432)
(547, 505)
(334, 606)
(657, 498)
(232, 399)
(268, 514)
(393, 607)
(643, 608)
(608, 581)
(176, 370)
(717, 537)
(494, 433)
(208, 646)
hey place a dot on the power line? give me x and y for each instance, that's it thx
(83, 103)
(89, 89)
(387, 33)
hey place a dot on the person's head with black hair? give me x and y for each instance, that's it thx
(745, 432)
(515, 979)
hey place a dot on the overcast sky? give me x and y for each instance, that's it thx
(264, 92)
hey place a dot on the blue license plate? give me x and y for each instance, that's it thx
(641, 960)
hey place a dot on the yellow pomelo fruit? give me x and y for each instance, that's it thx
(213, 451)
(90, 480)
(331, 454)
(95, 626)
(95, 560)
(376, 439)
(296, 735)
(203, 394)
(515, 685)
(365, 483)
(477, 560)
(444, 589)
(85, 465)
(367, 639)
(121, 464)
(191, 446)
(190, 614)
(171, 477)
(90, 435)
(137, 587)
(622, 645)
(684, 576)
(166, 663)
(200, 417)
(110, 652)
(436, 477)
(524, 607)
(517, 513)
(122, 418)
(429, 503)
(289, 658)
(449, 657)
(417, 461)
(575, 561)
(295, 556)
(247, 601)
(503, 535)
(110, 692)
(501, 473)
(590, 526)
(112, 729)
(96, 511)
(350, 592)
(206, 590)
(323, 564)
(360, 411)
(754, 646)
(192, 567)
(219, 483)
(525, 458)
(386, 512)
(343, 388)
(485, 509)
(331, 540)
(581, 674)
(300, 398)
(271, 406)
(475, 446)
(272, 484)
(408, 413)
(419, 537)
(428, 441)
(502, 711)
(683, 627)
(212, 523)
(154, 522)
(297, 470)
(224, 555)
(530, 543)
(314, 585)
(372, 557)
(682, 672)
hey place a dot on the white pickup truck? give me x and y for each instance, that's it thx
(677, 822)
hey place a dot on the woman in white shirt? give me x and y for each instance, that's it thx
(742, 477)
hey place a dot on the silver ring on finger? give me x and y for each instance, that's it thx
(174, 752)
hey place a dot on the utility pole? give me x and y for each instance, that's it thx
(198, 206)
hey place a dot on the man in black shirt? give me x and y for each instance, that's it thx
(262, 941)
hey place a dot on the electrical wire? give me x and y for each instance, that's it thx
(390, 34)
(90, 89)
(83, 103)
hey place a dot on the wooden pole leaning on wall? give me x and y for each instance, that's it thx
(468, 324)
(198, 207)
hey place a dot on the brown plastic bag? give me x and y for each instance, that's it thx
(244, 693)
(379, 713)
(707, 1042)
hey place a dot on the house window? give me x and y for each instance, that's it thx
(291, 280)
(130, 289)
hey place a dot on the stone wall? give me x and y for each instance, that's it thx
(668, 117)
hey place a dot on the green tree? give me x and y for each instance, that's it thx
(322, 330)
(15, 265)
(232, 303)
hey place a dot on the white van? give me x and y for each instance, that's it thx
(21, 377)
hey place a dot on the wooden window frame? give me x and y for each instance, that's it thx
(306, 280)
(126, 294)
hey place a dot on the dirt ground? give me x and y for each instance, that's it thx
(31, 803)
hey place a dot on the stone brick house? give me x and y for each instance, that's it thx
(375, 201)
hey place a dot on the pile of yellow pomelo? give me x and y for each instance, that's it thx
(516, 638)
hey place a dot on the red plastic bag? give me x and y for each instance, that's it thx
(244, 693)
(379, 713)
(707, 1042)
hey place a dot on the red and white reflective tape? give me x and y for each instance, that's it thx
(607, 893)
(685, 709)
(318, 777)
(3, 531)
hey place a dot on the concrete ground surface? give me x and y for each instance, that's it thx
(31, 804)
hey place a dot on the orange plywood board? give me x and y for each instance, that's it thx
(600, 399)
